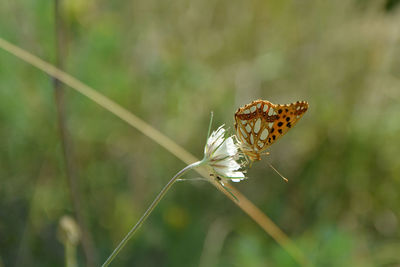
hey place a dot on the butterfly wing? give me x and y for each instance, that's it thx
(252, 124)
(260, 123)
(286, 117)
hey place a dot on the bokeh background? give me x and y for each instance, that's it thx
(171, 63)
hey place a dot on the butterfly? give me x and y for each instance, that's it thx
(260, 123)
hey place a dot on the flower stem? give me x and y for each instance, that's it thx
(149, 210)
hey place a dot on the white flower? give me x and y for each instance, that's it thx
(222, 155)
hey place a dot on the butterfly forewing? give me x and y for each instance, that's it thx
(261, 123)
(288, 116)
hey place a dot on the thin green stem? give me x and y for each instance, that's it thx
(149, 210)
(209, 126)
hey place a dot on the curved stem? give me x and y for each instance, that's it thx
(245, 204)
(149, 210)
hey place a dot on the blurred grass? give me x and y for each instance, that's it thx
(173, 62)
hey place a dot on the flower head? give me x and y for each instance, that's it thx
(222, 155)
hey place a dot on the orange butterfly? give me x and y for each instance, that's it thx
(260, 123)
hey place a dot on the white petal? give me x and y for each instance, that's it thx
(235, 176)
(228, 170)
(229, 163)
(228, 148)
(215, 140)
(231, 147)
(222, 153)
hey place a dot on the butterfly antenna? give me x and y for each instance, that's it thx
(272, 167)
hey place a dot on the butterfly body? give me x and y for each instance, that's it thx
(260, 123)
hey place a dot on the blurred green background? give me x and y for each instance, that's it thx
(171, 63)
